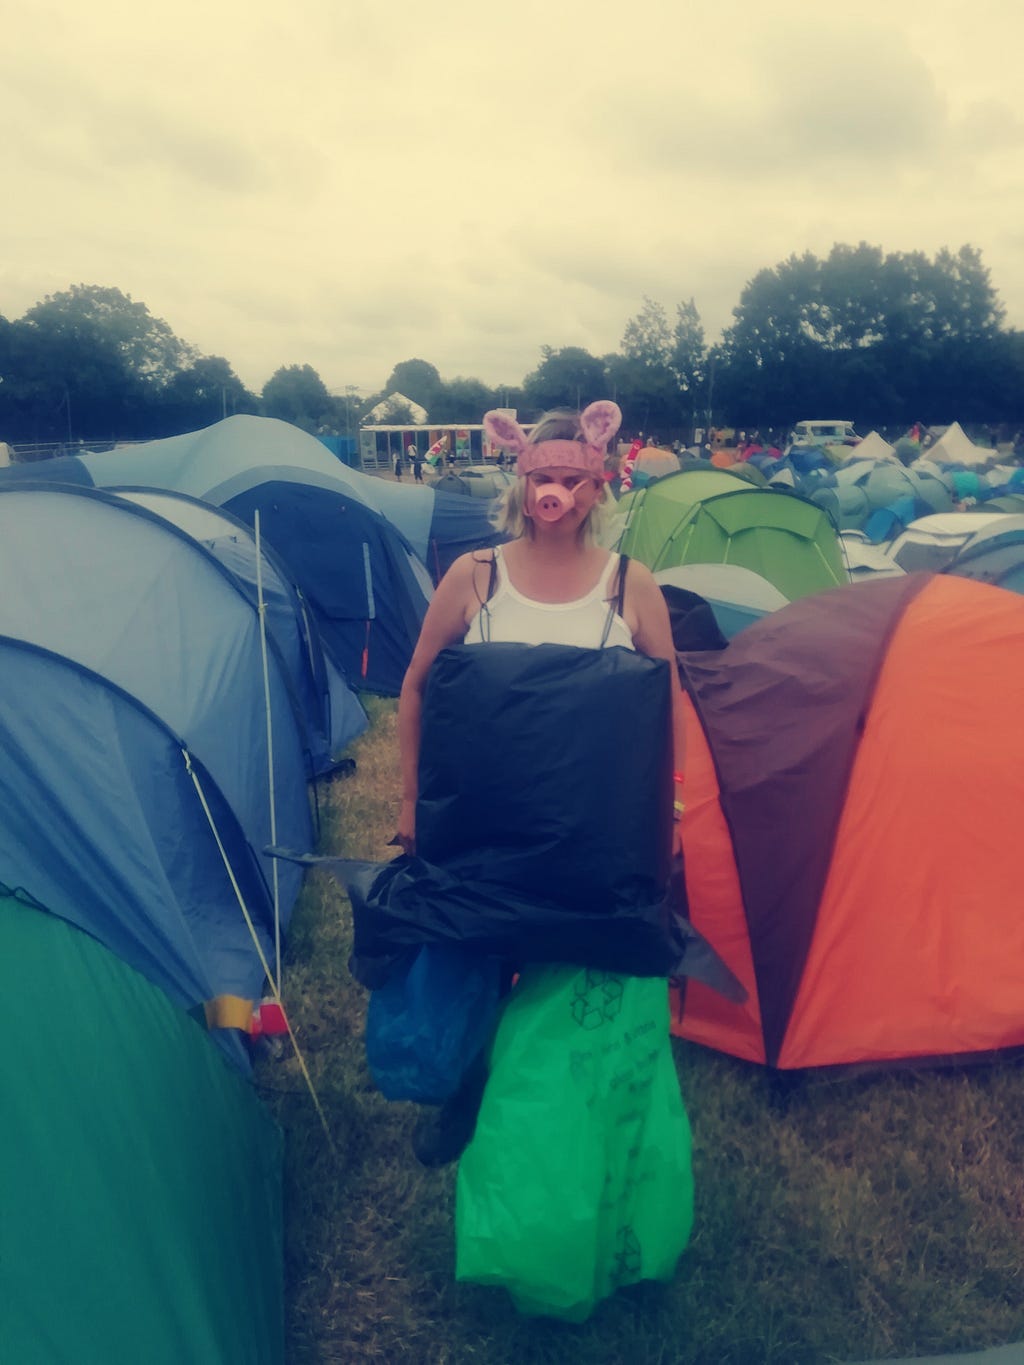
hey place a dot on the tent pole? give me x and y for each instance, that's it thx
(270, 745)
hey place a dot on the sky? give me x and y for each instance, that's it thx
(352, 183)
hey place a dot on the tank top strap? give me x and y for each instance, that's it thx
(615, 601)
(604, 582)
(499, 573)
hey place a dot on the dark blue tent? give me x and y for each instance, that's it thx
(368, 590)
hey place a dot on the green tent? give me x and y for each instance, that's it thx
(651, 514)
(785, 538)
(140, 1176)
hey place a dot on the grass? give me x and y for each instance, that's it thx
(837, 1220)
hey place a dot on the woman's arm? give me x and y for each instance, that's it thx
(652, 635)
(451, 608)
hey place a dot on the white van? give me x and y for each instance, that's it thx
(826, 432)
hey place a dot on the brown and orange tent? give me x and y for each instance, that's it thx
(854, 832)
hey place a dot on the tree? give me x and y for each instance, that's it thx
(297, 394)
(206, 391)
(417, 380)
(567, 378)
(648, 337)
(147, 345)
(89, 362)
(462, 400)
(689, 349)
(884, 332)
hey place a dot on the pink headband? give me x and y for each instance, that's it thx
(598, 423)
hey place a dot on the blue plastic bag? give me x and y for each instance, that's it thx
(428, 1022)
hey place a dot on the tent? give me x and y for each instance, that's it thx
(865, 560)
(333, 714)
(652, 462)
(737, 596)
(138, 731)
(241, 453)
(887, 482)
(784, 538)
(142, 1201)
(855, 774)
(846, 504)
(139, 735)
(648, 516)
(236, 463)
(367, 589)
(873, 447)
(475, 481)
(995, 554)
(394, 400)
(931, 542)
(954, 446)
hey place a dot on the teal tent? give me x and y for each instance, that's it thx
(141, 1176)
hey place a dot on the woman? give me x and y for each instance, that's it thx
(552, 583)
(599, 1192)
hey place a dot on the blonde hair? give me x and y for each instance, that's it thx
(509, 516)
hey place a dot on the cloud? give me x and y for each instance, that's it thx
(825, 99)
(348, 186)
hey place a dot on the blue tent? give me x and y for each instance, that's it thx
(366, 587)
(237, 455)
(737, 596)
(333, 713)
(137, 743)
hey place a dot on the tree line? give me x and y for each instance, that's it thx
(883, 339)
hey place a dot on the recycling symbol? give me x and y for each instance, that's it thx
(628, 1256)
(597, 998)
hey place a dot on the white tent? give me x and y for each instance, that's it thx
(956, 447)
(393, 400)
(873, 447)
(932, 542)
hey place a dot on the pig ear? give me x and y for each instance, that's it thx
(504, 430)
(600, 421)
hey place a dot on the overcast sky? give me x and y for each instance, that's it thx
(351, 183)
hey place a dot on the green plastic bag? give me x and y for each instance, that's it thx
(578, 1179)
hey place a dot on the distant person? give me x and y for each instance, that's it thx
(398, 466)
(417, 465)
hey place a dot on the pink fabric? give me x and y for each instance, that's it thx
(561, 455)
(598, 423)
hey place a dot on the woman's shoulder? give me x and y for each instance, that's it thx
(469, 576)
(638, 576)
(467, 566)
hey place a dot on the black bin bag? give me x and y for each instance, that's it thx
(544, 822)
(547, 769)
(545, 804)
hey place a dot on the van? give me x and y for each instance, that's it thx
(825, 432)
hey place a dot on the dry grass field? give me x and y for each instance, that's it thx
(836, 1220)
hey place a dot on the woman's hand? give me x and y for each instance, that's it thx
(406, 835)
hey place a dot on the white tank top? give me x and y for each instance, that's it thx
(509, 617)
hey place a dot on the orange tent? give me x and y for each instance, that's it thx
(853, 826)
